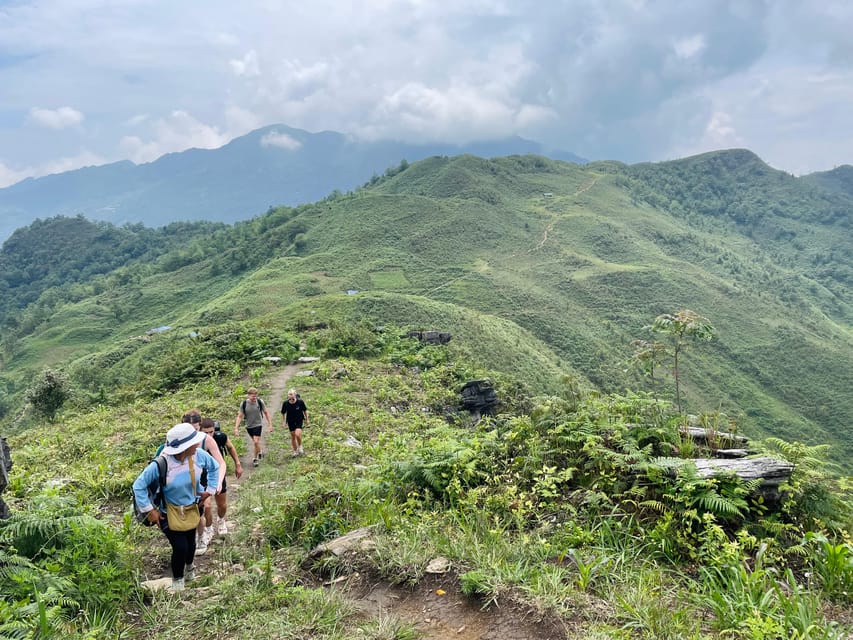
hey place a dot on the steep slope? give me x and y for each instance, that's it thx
(561, 264)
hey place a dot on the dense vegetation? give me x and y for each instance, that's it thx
(575, 506)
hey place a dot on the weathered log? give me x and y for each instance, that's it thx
(352, 543)
(771, 471)
(731, 453)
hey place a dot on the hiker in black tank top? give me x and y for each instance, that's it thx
(294, 414)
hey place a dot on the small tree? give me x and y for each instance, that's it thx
(648, 356)
(49, 393)
(683, 327)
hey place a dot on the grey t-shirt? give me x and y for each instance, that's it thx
(253, 411)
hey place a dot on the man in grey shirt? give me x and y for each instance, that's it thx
(253, 410)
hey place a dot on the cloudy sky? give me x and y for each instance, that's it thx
(87, 82)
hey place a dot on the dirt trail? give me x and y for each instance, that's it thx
(439, 610)
(436, 606)
(278, 383)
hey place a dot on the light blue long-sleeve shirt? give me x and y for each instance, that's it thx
(178, 489)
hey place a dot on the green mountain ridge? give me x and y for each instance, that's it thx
(539, 268)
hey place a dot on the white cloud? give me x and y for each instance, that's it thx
(632, 80)
(60, 165)
(9, 176)
(60, 118)
(177, 132)
(689, 47)
(137, 119)
(240, 121)
(280, 140)
(720, 132)
(247, 66)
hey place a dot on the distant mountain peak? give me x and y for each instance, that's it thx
(270, 166)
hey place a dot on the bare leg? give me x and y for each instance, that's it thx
(221, 504)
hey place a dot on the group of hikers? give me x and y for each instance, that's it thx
(189, 469)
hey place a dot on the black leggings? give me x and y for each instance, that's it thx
(183, 549)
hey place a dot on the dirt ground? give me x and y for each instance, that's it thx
(439, 610)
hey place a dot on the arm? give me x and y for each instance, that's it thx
(213, 449)
(237, 422)
(206, 461)
(238, 467)
(149, 475)
(269, 417)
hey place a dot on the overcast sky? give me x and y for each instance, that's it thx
(88, 82)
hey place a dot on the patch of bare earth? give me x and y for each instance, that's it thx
(439, 610)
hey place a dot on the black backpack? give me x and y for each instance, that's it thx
(155, 493)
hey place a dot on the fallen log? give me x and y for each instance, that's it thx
(770, 471)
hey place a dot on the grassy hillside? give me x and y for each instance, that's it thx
(539, 268)
(561, 517)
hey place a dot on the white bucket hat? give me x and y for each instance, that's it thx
(181, 437)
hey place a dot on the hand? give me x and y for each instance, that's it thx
(154, 516)
(238, 471)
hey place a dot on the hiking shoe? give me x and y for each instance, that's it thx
(201, 544)
(261, 455)
(295, 453)
(254, 462)
(300, 450)
(207, 536)
(189, 573)
(221, 527)
(177, 585)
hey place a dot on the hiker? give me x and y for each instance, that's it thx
(253, 410)
(212, 429)
(294, 414)
(204, 534)
(183, 495)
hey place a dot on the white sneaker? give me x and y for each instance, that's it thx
(221, 527)
(301, 450)
(294, 454)
(189, 573)
(202, 541)
(177, 584)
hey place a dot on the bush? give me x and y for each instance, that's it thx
(49, 393)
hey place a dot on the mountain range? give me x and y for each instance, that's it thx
(275, 165)
(545, 270)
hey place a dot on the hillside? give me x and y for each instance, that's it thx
(572, 516)
(272, 166)
(539, 268)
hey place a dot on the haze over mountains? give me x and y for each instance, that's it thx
(275, 165)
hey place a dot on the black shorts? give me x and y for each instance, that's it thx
(224, 485)
(294, 427)
(255, 432)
